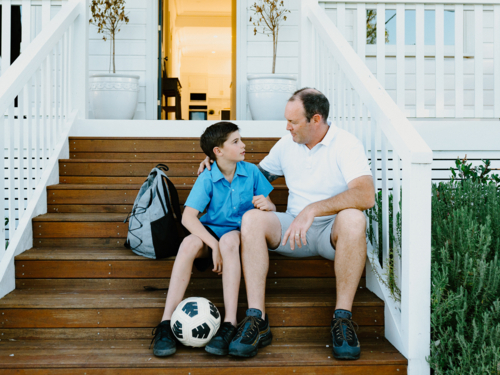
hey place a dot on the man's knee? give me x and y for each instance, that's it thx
(351, 223)
(252, 222)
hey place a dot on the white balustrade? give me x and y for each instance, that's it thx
(400, 162)
(453, 73)
(37, 110)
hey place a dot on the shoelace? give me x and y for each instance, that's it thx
(224, 331)
(160, 331)
(253, 325)
(339, 332)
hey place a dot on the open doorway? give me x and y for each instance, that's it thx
(197, 59)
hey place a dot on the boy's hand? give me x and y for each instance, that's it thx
(217, 258)
(262, 203)
(206, 163)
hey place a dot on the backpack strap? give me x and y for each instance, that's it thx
(162, 167)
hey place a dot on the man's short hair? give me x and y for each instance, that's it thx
(314, 102)
(215, 136)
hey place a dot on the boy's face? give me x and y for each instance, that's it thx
(233, 148)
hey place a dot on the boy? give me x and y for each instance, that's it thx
(227, 191)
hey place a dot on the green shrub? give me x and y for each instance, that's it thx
(465, 298)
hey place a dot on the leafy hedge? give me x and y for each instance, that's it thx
(465, 299)
(465, 277)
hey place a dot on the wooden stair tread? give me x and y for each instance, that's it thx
(57, 253)
(122, 187)
(113, 299)
(136, 353)
(82, 217)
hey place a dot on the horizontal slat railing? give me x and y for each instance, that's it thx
(48, 91)
(360, 105)
(446, 66)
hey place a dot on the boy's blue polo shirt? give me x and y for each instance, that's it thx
(227, 202)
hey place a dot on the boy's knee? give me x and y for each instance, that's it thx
(229, 243)
(190, 246)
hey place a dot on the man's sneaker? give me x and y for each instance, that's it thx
(253, 333)
(219, 345)
(345, 341)
(163, 340)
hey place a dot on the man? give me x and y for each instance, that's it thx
(330, 184)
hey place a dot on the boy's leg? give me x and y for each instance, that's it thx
(229, 246)
(192, 247)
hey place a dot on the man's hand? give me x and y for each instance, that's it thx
(217, 258)
(262, 203)
(206, 163)
(298, 229)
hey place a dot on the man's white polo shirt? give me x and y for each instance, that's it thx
(320, 173)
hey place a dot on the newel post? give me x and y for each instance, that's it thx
(79, 61)
(416, 266)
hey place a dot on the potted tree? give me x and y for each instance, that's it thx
(114, 96)
(269, 93)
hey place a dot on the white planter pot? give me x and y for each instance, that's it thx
(268, 95)
(114, 96)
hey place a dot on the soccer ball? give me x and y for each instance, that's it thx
(195, 321)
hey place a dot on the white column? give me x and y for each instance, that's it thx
(79, 71)
(478, 60)
(420, 61)
(400, 55)
(381, 43)
(416, 266)
(361, 30)
(459, 60)
(496, 58)
(439, 60)
(306, 46)
(6, 25)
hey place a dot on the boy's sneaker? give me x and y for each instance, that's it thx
(163, 341)
(253, 333)
(345, 341)
(219, 345)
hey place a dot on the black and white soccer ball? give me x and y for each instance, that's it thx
(195, 321)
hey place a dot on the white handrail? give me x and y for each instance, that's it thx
(360, 104)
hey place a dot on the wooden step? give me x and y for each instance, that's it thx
(123, 263)
(152, 145)
(197, 156)
(124, 194)
(103, 180)
(297, 355)
(74, 308)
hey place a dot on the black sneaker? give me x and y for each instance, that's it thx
(219, 345)
(253, 333)
(345, 341)
(163, 340)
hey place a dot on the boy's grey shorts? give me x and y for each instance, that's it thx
(318, 238)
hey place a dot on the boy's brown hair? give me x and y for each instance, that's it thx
(215, 136)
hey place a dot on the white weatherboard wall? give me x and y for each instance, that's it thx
(256, 56)
(133, 51)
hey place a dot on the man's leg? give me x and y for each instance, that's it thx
(260, 230)
(349, 240)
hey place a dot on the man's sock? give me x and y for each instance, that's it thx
(342, 314)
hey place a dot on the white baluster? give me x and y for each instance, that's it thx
(478, 60)
(338, 76)
(43, 105)
(20, 154)
(396, 191)
(12, 171)
(37, 133)
(496, 59)
(373, 159)
(385, 200)
(45, 13)
(459, 60)
(400, 55)
(341, 18)
(26, 25)
(349, 109)
(419, 59)
(50, 99)
(439, 60)
(357, 109)
(361, 30)
(381, 43)
(2, 184)
(366, 129)
(29, 147)
(57, 97)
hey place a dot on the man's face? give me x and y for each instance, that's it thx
(297, 123)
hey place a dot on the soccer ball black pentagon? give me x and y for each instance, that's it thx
(195, 321)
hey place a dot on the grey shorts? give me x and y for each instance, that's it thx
(318, 238)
